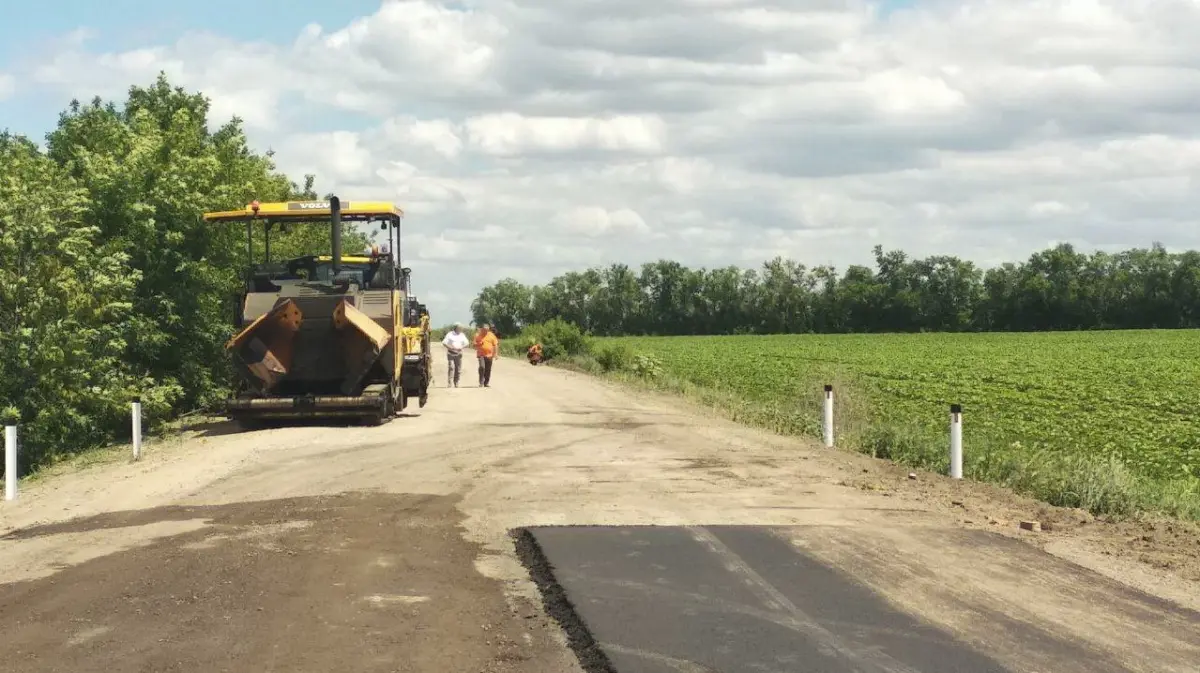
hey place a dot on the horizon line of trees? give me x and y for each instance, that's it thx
(1056, 289)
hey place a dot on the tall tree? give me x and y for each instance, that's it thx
(505, 305)
(65, 299)
(111, 285)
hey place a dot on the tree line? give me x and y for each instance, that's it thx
(111, 285)
(1059, 288)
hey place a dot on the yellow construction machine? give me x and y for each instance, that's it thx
(327, 335)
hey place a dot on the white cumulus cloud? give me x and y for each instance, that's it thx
(510, 134)
(528, 138)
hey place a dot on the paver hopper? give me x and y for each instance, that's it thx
(327, 335)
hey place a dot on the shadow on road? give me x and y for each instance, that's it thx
(214, 428)
(222, 428)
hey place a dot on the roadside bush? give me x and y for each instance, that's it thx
(614, 357)
(647, 366)
(559, 339)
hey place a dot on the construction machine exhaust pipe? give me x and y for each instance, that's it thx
(335, 215)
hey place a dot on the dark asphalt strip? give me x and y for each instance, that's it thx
(730, 599)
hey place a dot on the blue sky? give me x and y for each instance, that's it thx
(123, 24)
(127, 23)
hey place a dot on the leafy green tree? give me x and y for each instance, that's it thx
(65, 301)
(505, 305)
(111, 284)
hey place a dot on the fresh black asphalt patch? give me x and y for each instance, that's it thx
(725, 599)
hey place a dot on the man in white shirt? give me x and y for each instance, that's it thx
(454, 342)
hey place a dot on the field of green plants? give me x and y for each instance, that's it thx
(1102, 420)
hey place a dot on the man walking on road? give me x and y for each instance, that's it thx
(487, 349)
(455, 341)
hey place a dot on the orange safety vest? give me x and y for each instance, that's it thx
(487, 345)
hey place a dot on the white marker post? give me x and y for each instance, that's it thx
(828, 416)
(956, 449)
(137, 428)
(10, 462)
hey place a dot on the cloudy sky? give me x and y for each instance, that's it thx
(526, 138)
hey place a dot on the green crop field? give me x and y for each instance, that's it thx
(1118, 408)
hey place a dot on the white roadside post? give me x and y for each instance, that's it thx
(10, 462)
(956, 449)
(137, 428)
(828, 416)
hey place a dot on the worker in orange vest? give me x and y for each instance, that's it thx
(487, 349)
(534, 354)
